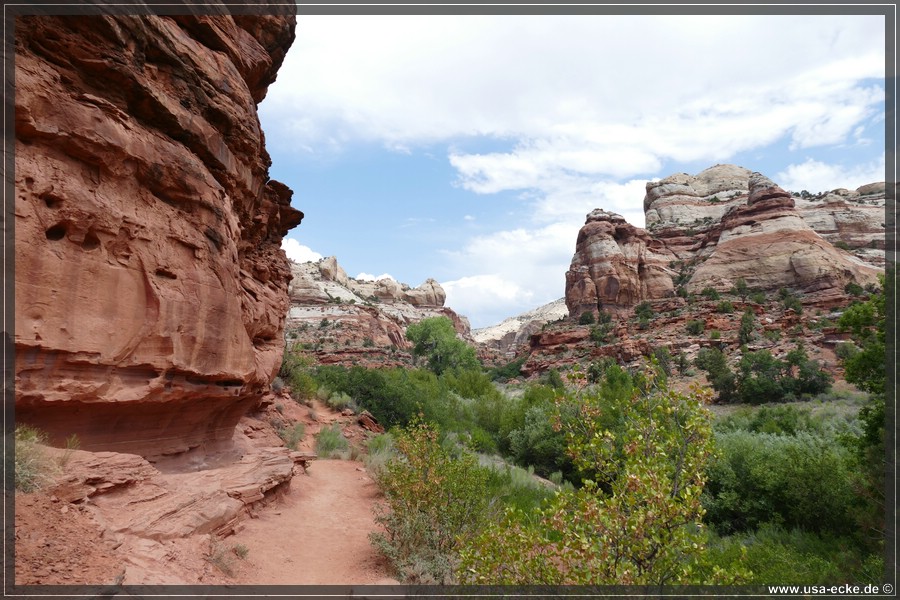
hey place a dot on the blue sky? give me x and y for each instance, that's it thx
(469, 149)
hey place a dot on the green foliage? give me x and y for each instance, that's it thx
(586, 318)
(758, 297)
(715, 334)
(663, 359)
(710, 293)
(763, 378)
(842, 245)
(801, 480)
(854, 289)
(794, 557)
(747, 327)
(695, 326)
(644, 310)
(789, 301)
(296, 370)
(293, 435)
(331, 443)
(32, 465)
(434, 503)
(741, 288)
(722, 380)
(435, 339)
(509, 371)
(635, 520)
(725, 307)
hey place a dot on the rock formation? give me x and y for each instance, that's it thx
(499, 343)
(345, 320)
(616, 265)
(722, 224)
(150, 286)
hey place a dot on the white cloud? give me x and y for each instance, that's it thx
(815, 176)
(297, 252)
(486, 299)
(468, 218)
(368, 277)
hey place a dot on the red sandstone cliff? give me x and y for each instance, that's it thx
(151, 289)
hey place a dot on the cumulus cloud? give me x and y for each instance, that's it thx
(575, 123)
(297, 252)
(816, 176)
(368, 277)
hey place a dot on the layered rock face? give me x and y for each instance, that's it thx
(768, 244)
(348, 321)
(722, 224)
(616, 265)
(150, 285)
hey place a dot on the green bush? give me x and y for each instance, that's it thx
(32, 465)
(586, 318)
(434, 503)
(695, 327)
(758, 297)
(331, 443)
(645, 479)
(801, 480)
(293, 435)
(644, 310)
(709, 293)
(725, 307)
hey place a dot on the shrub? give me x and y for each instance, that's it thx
(695, 327)
(331, 443)
(509, 371)
(643, 311)
(725, 307)
(854, 289)
(31, 464)
(758, 297)
(715, 334)
(796, 481)
(292, 436)
(635, 483)
(380, 451)
(747, 327)
(722, 380)
(586, 318)
(741, 288)
(434, 503)
(709, 293)
(842, 245)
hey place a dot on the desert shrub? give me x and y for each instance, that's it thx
(277, 385)
(725, 307)
(435, 340)
(587, 318)
(31, 464)
(695, 326)
(709, 293)
(644, 310)
(747, 327)
(842, 245)
(297, 371)
(434, 502)
(379, 452)
(663, 359)
(508, 371)
(758, 297)
(292, 435)
(340, 401)
(331, 443)
(715, 334)
(741, 288)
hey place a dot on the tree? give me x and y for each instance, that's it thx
(741, 288)
(636, 520)
(435, 339)
(745, 333)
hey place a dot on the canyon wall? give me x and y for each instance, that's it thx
(150, 286)
(726, 223)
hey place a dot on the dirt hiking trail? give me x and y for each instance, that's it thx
(318, 533)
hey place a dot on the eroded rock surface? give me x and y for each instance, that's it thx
(151, 287)
(349, 321)
(725, 223)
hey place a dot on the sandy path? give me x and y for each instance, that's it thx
(318, 535)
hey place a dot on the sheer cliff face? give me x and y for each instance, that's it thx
(151, 288)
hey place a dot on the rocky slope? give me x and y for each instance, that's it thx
(704, 232)
(723, 224)
(348, 321)
(505, 339)
(150, 286)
